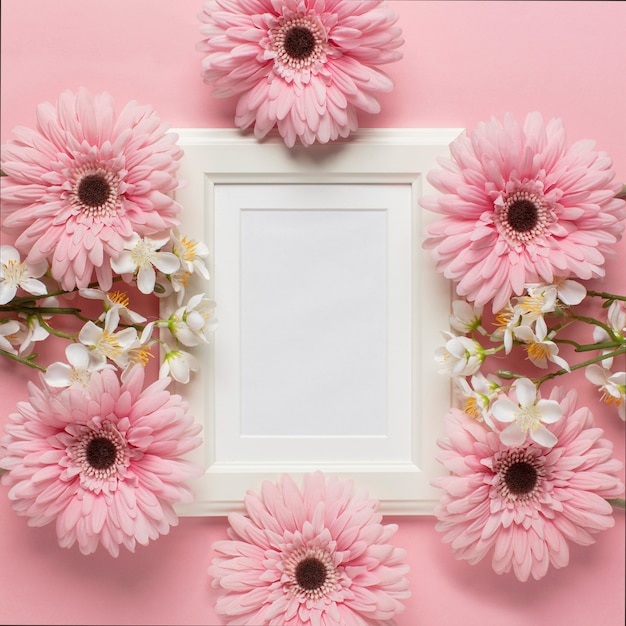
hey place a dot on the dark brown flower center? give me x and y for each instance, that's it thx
(299, 42)
(522, 216)
(93, 190)
(521, 477)
(101, 453)
(310, 574)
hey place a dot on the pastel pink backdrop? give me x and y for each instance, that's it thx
(463, 62)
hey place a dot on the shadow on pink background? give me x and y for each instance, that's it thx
(463, 62)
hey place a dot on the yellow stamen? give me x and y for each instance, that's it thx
(140, 355)
(119, 297)
(611, 400)
(531, 305)
(471, 408)
(504, 317)
(109, 345)
(538, 351)
(14, 272)
(189, 248)
(79, 376)
(183, 277)
(529, 419)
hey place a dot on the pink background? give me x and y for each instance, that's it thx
(463, 62)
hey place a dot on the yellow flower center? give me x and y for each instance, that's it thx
(189, 249)
(611, 400)
(141, 355)
(532, 306)
(79, 376)
(14, 272)
(471, 408)
(109, 345)
(529, 419)
(143, 254)
(538, 351)
(119, 297)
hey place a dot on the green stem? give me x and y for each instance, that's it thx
(31, 298)
(19, 359)
(606, 296)
(595, 322)
(602, 357)
(58, 292)
(618, 503)
(588, 347)
(53, 331)
(43, 310)
(508, 375)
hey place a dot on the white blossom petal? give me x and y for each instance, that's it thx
(124, 263)
(58, 374)
(542, 436)
(504, 410)
(513, 435)
(167, 262)
(526, 392)
(34, 287)
(7, 292)
(146, 278)
(551, 411)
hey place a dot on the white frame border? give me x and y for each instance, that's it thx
(214, 156)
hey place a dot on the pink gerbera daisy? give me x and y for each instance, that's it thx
(304, 66)
(526, 502)
(103, 461)
(521, 207)
(319, 556)
(80, 184)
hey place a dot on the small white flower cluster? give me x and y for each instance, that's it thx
(612, 385)
(534, 322)
(119, 338)
(18, 336)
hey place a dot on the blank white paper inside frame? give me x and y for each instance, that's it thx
(318, 300)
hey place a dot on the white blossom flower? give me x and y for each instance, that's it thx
(142, 255)
(78, 369)
(193, 323)
(569, 291)
(14, 274)
(540, 347)
(465, 317)
(105, 342)
(509, 320)
(176, 283)
(31, 332)
(540, 299)
(527, 416)
(118, 299)
(461, 356)
(9, 330)
(616, 316)
(479, 394)
(192, 254)
(612, 386)
(179, 364)
(616, 320)
(139, 352)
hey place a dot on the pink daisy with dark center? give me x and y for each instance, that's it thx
(317, 556)
(104, 462)
(522, 207)
(524, 504)
(84, 180)
(303, 66)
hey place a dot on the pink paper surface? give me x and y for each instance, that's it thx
(463, 62)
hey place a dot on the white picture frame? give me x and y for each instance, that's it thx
(254, 202)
